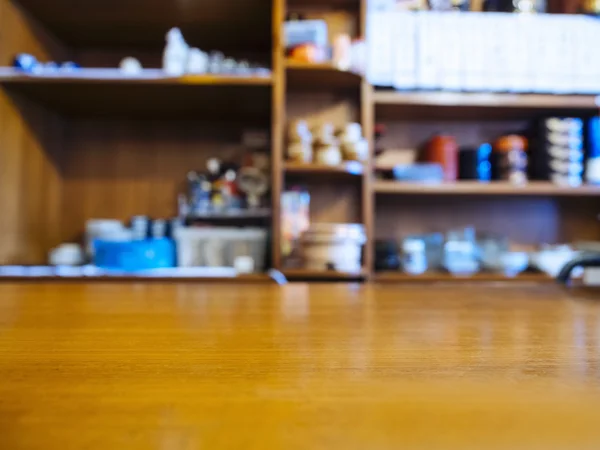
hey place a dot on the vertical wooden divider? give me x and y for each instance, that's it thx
(277, 126)
(367, 114)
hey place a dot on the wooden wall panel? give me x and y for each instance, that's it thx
(524, 220)
(319, 107)
(30, 150)
(118, 169)
(144, 23)
(331, 201)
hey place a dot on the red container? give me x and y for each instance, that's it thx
(443, 150)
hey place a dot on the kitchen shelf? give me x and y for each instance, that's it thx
(534, 188)
(115, 76)
(320, 76)
(478, 106)
(48, 275)
(106, 92)
(351, 168)
(400, 277)
(322, 275)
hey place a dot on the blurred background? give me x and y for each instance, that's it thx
(332, 140)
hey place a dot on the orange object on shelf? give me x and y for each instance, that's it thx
(307, 53)
(510, 143)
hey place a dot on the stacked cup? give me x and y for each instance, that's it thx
(561, 152)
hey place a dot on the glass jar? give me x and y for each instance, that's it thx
(460, 253)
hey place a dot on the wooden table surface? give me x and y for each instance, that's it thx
(127, 366)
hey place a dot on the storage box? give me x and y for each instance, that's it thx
(220, 247)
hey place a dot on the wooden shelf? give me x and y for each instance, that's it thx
(314, 275)
(244, 214)
(242, 279)
(350, 168)
(534, 188)
(399, 277)
(146, 77)
(478, 106)
(130, 24)
(319, 76)
(106, 92)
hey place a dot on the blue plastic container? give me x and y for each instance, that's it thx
(134, 256)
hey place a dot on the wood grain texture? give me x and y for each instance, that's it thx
(367, 119)
(300, 366)
(31, 140)
(367, 195)
(278, 121)
(442, 277)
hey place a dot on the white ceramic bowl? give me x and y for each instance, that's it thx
(513, 263)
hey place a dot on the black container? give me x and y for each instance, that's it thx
(474, 163)
(386, 255)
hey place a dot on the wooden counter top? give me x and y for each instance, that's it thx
(180, 366)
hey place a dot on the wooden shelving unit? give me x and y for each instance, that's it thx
(95, 143)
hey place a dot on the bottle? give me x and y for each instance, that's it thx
(414, 256)
(175, 56)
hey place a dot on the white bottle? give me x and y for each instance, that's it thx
(197, 62)
(415, 257)
(175, 56)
